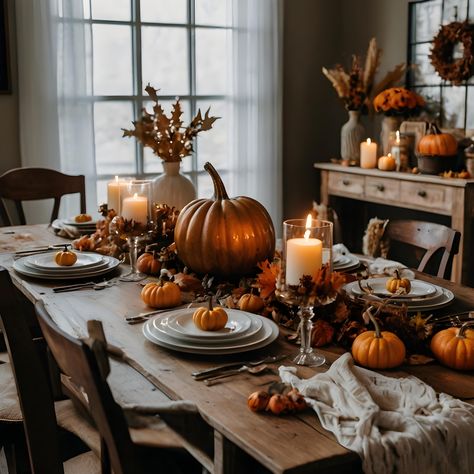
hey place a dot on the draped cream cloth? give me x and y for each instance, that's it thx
(395, 425)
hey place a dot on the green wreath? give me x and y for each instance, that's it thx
(449, 69)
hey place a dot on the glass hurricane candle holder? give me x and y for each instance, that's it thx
(134, 222)
(307, 246)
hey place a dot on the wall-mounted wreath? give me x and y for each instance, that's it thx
(442, 57)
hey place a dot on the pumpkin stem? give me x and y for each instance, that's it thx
(463, 328)
(65, 248)
(374, 322)
(433, 129)
(210, 303)
(219, 188)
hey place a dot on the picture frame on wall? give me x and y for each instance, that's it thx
(5, 77)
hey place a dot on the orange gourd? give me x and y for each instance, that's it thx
(149, 264)
(250, 302)
(224, 236)
(161, 295)
(454, 347)
(387, 163)
(65, 258)
(398, 284)
(210, 318)
(378, 349)
(436, 143)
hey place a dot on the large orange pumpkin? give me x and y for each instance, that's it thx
(435, 143)
(454, 347)
(378, 349)
(224, 236)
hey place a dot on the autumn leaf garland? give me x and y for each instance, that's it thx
(164, 134)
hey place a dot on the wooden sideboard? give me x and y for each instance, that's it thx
(449, 197)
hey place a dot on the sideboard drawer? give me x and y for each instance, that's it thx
(428, 196)
(382, 188)
(345, 183)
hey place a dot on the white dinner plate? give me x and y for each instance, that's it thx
(68, 270)
(21, 268)
(58, 224)
(72, 221)
(46, 261)
(268, 333)
(348, 262)
(419, 288)
(233, 331)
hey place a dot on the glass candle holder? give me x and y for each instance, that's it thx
(307, 246)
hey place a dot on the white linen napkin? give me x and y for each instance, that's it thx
(382, 266)
(338, 250)
(395, 425)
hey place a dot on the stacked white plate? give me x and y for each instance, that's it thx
(345, 263)
(88, 227)
(423, 296)
(88, 265)
(243, 332)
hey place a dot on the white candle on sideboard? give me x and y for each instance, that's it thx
(396, 151)
(113, 195)
(303, 256)
(368, 154)
(136, 208)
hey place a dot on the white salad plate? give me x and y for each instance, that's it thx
(20, 267)
(181, 326)
(347, 262)
(266, 335)
(72, 221)
(419, 288)
(58, 224)
(46, 261)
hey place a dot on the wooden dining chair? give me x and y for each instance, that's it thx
(30, 184)
(85, 363)
(432, 245)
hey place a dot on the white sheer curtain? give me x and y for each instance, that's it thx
(256, 168)
(55, 115)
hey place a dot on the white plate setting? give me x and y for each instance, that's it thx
(243, 332)
(423, 297)
(346, 262)
(93, 265)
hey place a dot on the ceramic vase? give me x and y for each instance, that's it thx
(172, 188)
(352, 133)
(389, 124)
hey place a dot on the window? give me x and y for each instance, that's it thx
(180, 47)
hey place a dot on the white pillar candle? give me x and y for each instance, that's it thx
(368, 154)
(136, 208)
(303, 256)
(113, 195)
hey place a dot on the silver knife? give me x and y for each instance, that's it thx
(203, 374)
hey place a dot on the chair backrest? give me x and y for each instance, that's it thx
(87, 366)
(438, 242)
(29, 184)
(31, 380)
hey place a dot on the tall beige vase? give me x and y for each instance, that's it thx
(352, 133)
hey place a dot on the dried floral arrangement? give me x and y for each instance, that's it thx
(450, 69)
(398, 101)
(355, 87)
(166, 135)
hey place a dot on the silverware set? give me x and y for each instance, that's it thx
(39, 250)
(87, 285)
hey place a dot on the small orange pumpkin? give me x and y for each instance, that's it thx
(250, 302)
(436, 143)
(65, 258)
(387, 163)
(397, 283)
(378, 349)
(210, 318)
(162, 294)
(149, 264)
(454, 347)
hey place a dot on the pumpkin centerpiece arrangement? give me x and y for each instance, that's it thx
(65, 258)
(210, 318)
(224, 236)
(437, 151)
(454, 347)
(378, 349)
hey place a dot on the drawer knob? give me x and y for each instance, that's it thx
(381, 188)
(422, 194)
(346, 182)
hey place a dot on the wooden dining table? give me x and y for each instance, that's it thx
(242, 440)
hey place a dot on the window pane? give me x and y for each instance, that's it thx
(213, 145)
(423, 73)
(114, 154)
(428, 19)
(112, 50)
(211, 61)
(470, 110)
(152, 163)
(164, 11)
(111, 10)
(453, 107)
(211, 12)
(165, 59)
(454, 10)
(86, 9)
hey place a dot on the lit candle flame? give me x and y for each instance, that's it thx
(397, 133)
(369, 141)
(135, 196)
(116, 179)
(389, 154)
(309, 221)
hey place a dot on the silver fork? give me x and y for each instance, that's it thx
(90, 284)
